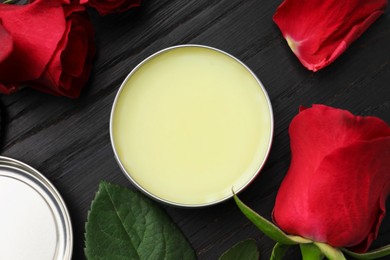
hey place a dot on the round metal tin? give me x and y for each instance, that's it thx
(128, 175)
(34, 220)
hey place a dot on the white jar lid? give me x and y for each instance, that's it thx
(34, 221)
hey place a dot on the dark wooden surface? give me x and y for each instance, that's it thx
(68, 140)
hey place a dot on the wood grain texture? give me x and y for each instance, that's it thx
(68, 140)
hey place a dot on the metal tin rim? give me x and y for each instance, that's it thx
(60, 204)
(167, 202)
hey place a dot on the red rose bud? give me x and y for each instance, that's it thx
(319, 31)
(105, 7)
(52, 47)
(339, 178)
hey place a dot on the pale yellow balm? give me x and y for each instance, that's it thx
(191, 124)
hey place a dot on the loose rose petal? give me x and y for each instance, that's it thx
(338, 179)
(320, 31)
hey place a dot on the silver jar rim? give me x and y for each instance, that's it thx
(162, 200)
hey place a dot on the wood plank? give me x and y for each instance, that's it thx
(68, 140)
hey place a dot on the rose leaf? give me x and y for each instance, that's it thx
(267, 227)
(246, 249)
(123, 224)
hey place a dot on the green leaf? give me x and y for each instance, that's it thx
(246, 249)
(310, 252)
(269, 228)
(123, 224)
(330, 252)
(279, 251)
(380, 252)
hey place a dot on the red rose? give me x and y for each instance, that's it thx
(339, 178)
(319, 31)
(52, 47)
(105, 7)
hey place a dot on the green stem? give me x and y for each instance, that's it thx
(267, 227)
(311, 252)
(330, 252)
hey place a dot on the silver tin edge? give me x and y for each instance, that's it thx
(167, 202)
(56, 195)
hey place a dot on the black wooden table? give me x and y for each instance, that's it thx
(68, 140)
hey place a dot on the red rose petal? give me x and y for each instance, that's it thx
(105, 7)
(69, 69)
(54, 67)
(328, 128)
(9, 89)
(349, 190)
(319, 31)
(74, 56)
(338, 178)
(28, 25)
(6, 43)
(53, 47)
